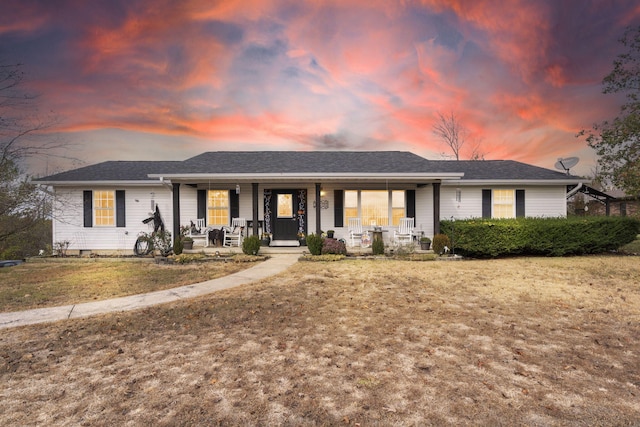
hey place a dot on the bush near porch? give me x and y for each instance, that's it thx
(491, 238)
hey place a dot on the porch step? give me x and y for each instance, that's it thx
(289, 243)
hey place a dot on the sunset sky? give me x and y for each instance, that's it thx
(167, 80)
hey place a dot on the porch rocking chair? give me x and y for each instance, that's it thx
(198, 230)
(404, 233)
(355, 231)
(233, 236)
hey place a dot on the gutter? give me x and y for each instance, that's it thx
(166, 183)
(575, 190)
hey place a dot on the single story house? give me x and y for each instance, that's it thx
(101, 208)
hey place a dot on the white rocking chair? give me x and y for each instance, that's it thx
(233, 236)
(404, 234)
(198, 231)
(355, 231)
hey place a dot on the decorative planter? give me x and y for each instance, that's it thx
(330, 234)
(303, 242)
(187, 244)
(265, 242)
(425, 246)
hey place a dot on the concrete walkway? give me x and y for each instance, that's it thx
(273, 265)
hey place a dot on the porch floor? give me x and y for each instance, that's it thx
(270, 250)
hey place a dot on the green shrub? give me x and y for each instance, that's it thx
(333, 246)
(314, 243)
(378, 247)
(178, 246)
(251, 245)
(488, 238)
(439, 242)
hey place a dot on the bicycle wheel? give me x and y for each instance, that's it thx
(142, 247)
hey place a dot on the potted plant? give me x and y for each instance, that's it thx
(265, 240)
(187, 243)
(330, 233)
(425, 243)
(302, 239)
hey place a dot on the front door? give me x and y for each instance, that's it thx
(285, 214)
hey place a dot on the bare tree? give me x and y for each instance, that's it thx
(22, 205)
(476, 152)
(450, 131)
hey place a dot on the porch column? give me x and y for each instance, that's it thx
(254, 193)
(436, 208)
(176, 210)
(318, 210)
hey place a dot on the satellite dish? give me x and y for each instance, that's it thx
(564, 164)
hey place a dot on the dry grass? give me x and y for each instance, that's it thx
(537, 342)
(46, 284)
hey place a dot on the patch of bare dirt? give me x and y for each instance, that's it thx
(537, 342)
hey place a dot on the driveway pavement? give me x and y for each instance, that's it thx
(273, 265)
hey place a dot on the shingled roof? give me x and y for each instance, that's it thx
(301, 162)
(115, 171)
(307, 162)
(504, 170)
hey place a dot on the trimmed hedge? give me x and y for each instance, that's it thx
(490, 238)
(314, 243)
(251, 245)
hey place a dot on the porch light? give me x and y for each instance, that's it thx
(237, 188)
(458, 195)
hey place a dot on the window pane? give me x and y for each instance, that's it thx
(285, 205)
(397, 206)
(104, 202)
(503, 204)
(218, 207)
(375, 207)
(351, 213)
(351, 199)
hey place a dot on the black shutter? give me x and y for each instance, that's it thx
(411, 203)
(486, 203)
(519, 203)
(202, 205)
(234, 204)
(338, 208)
(120, 209)
(87, 206)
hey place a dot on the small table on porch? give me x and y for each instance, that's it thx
(250, 227)
(376, 234)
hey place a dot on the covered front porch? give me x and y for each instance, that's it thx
(286, 212)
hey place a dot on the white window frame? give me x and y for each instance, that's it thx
(496, 202)
(390, 207)
(98, 208)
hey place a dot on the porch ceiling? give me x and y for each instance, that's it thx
(310, 177)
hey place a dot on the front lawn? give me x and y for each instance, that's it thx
(527, 341)
(61, 282)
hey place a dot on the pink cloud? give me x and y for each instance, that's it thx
(522, 76)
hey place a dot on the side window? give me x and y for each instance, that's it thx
(104, 208)
(504, 204)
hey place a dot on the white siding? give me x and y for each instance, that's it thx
(540, 201)
(68, 219)
(188, 205)
(469, 206)
(546, 201)
(424, 210)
